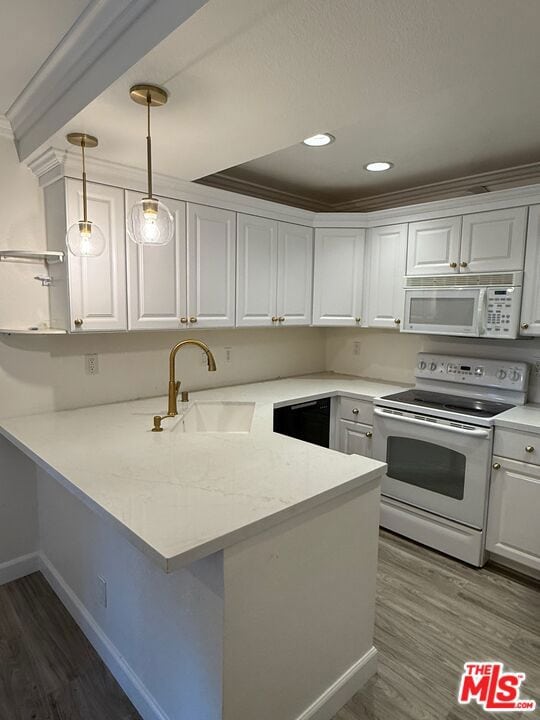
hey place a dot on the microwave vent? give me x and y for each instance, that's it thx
(461, 280)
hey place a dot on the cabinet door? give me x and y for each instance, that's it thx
(97, 286)
(256, 271)
(355, 438)
(387, 252)
(157, 275)
(433, 247)
(211, 240)
(338, 277)
(493, 241)
(294, 274)
(530, 307)
(513, 529)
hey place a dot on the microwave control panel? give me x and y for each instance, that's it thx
(502, 312)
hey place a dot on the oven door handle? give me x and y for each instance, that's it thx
(474, 432)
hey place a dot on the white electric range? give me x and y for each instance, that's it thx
(437, 441)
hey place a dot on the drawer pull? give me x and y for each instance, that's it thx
(355, 411)
(529, 448)
(496, 466)
(369, 434)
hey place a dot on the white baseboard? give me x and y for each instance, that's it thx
(342, 690)
(127, 679)
(19, 567)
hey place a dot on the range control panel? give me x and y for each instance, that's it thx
(502, 312)
(485, 372)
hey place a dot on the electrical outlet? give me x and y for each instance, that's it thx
(356, 347)
(91, 363)
(536, 367)
(102, 591)
(228, 354)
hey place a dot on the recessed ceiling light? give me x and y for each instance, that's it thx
(378, 166)
(319, 140)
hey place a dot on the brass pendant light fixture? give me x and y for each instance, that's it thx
(149, 220)
(84, 238)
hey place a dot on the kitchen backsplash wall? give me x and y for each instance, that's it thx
(388, 355)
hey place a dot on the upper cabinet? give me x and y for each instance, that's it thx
(157, 292)
(530, 307)
(481, 242)
(387, 253)
(274, 273)
(87, 294)
(190, 281)
(338, 276)
(433, 247)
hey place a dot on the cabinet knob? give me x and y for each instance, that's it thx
(183, 320)
(274, 318)
(529, 448)
(453, 265)
(397, 321)
(78, 322)
(369, 434)
(193, 320)
(524, 326)
(355, 411)
(463, 264)
(281, 319)
(496, 466)
(358, 320)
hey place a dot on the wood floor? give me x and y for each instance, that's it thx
(433, 614)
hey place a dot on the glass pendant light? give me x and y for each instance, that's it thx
(84, 238)
(149, 220)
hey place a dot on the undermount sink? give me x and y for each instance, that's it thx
(223, 417)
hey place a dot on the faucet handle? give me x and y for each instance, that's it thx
(177, 387)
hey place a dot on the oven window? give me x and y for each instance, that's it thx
(448, 311)
(425, 465)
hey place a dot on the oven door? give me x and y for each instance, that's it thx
(434, 464)
(444, 311)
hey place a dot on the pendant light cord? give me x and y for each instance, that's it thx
(149, 148)
(85, 201)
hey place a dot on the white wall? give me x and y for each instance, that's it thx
(389, 355)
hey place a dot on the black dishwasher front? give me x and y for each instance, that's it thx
(309, 421)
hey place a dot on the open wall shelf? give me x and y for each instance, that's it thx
(48, 256)
(32, 331)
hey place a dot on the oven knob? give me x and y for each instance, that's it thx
(433, 367)
(479, 371)
(501, 374)
(422, 365)
(515, 375)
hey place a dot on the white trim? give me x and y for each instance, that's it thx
(136, 691)
(107, 38)
(19, 567)
(342, 690)
(5, 128)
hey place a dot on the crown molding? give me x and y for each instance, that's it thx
(5, 128)
(108, 38)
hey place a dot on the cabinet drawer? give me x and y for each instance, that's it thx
(356, 410)
(517, 445)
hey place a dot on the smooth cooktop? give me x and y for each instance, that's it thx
(452, 403)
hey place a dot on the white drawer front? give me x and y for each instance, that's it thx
(356, 410)
(517, 445)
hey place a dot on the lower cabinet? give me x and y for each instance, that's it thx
(355, 438)
(513, 529)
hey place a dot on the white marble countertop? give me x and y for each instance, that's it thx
(179, 497)
(521, 417)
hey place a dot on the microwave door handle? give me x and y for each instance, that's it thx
(481, 313)
(473, 432)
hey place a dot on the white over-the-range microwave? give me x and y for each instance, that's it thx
(483, 305)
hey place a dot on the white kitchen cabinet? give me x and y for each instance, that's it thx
(87, 294)
(157, 292)
(493, 241)
(530, 307)
(433, 247)
(338, 276)
(387, 253)
(355, 438)
(274, 273)
(211, 244)
(512, 529)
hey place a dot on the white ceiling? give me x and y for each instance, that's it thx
(29, 32)
(440, 88)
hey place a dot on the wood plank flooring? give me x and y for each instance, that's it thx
(433, 614)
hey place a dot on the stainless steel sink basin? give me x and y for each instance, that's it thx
(220, 417)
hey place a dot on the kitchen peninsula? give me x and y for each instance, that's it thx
(242, 563)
